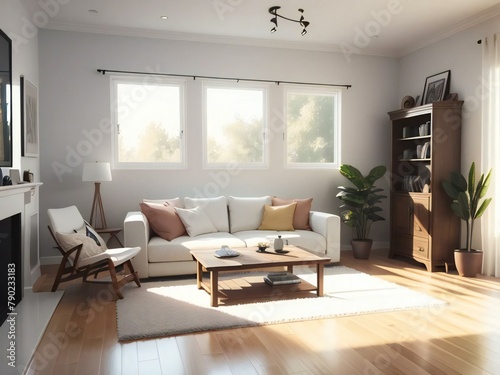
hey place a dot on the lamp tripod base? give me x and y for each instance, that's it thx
(97, 217)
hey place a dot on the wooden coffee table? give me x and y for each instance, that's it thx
(249, 258)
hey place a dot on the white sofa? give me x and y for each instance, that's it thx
(235, 223)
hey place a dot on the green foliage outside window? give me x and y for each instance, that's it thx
(310, 128)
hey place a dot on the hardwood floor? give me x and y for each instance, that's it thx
(462, 338)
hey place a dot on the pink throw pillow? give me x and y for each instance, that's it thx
(301, 215)
(163, 220)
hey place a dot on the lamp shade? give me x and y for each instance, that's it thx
(96, 172)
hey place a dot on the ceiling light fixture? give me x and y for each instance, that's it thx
(274, 11)
(164, 17)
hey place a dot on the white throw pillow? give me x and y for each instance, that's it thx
(196, 221)
(246, 213)
(215, 208)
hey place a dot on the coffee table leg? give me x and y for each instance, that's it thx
(199, 274)
(320, 274)
(214, 288)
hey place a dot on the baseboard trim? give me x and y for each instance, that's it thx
(376, 245)
(45, 261)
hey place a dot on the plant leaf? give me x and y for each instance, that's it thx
(450, 189)
(375, 174)
(485, 186)
(458, 181)
(472, 179)
(353, 174)
(483, 208)
(463, 206)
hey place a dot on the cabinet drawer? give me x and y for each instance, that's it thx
(420, 248)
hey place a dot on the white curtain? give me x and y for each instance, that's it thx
(490, 157)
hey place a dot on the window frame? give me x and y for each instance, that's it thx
(264, 88)
(148, 80)
(314, 90)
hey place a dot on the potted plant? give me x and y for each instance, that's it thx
(468, 204)
(360, 207)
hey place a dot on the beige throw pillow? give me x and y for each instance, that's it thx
(278, 217)
(69, 241)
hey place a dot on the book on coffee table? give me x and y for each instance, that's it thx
(281, 278)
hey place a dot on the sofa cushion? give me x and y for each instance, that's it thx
(246, 213)
(174, 202)
(301, 215)
(196, 221)
(278, 217)
(163, 219)
(69, 241)
(215, 208)
(178, 249)
(253, 237)
(304, 239)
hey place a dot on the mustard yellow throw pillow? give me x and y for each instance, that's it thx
(278, 217)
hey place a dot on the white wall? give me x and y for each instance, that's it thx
(74, 97)
(24, 62)
(461, 54)
(13, 21)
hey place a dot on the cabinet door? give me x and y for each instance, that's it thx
(402, 214)
(421, 216)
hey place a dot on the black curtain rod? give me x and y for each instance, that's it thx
(104, 71)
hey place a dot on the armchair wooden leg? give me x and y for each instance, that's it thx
(114, 280)
(86, 274)
(133, 273)
(60, 273)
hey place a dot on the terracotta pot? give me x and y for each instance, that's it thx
(361, 248)
(468, 263)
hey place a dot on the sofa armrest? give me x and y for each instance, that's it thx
(328, 225)
(136, 231)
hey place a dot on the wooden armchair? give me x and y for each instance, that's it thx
(85, 253)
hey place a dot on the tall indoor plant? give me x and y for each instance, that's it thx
(360, 205)
(468, 204)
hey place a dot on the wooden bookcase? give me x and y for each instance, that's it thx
(423, 226)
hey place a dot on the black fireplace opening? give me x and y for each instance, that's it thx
(11, 288)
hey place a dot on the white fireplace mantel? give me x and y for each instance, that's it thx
(18, 188)
(23, 199)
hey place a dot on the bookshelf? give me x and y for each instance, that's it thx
(426, 142)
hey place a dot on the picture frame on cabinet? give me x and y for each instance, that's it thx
(29, 119)
(436, 87)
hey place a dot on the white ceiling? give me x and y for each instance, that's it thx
(334, 24)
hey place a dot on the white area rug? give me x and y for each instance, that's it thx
(167, 308)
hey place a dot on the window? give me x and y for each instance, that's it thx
(312, 121)
(234, 129)
(149, 116)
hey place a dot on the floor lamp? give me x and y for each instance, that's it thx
(97, 172)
